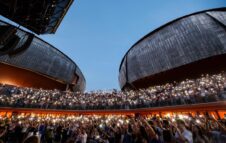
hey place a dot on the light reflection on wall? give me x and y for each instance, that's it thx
(9, 82)
(24, 78)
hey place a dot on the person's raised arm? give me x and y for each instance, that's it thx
(149, 128)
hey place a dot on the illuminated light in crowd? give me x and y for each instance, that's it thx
(121, 121)
(97, 137)
(186, 117)
(101, 125)
(212, 116)
(198, 121)
(127, 121)
(107, 121)
(200, 116)
(180, 116)
(168, 115)
(86, 119)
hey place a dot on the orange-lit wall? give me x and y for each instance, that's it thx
(222, 113)
(20, 77)
(213, 109)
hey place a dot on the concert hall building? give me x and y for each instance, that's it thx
(187, 47)
(28, 61)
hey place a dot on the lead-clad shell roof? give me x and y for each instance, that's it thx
(41, 57)
(185, 40)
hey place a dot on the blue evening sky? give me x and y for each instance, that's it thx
(97, 33)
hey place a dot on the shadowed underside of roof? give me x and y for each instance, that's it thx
(39, 16)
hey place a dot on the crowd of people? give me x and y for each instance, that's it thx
(207, 88)
(34, 128)
(172, 128)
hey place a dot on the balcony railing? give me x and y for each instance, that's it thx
(127, 106)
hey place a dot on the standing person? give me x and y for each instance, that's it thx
(198, 135)
(152, 136)
(3, 131)
(41, 130)
(84, 136)
(127, 137)
(58, 137)
(79, 137)
(183, 134)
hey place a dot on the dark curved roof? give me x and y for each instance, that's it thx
(182, 41)
(156, 30)
(43, 58)
(40, 16)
